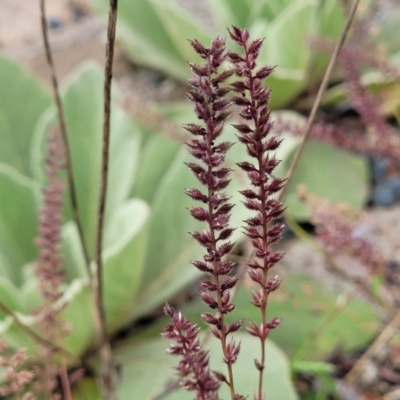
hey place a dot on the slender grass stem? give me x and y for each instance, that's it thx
(104, 344)
(65, 381)
(99, 323)
(64, 135)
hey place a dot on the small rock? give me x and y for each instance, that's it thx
(54, 23)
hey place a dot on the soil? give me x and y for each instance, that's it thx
(77, 36)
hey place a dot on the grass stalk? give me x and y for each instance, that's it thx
(64, 135)
(104, 344)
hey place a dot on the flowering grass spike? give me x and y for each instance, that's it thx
(212, 97)
(209, 95)
(252, 97)
(49, 265)
(193, 368)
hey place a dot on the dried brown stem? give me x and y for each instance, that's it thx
(105, 348)
(64, 135)
(71, 184)
(320, 93)
(66, 387)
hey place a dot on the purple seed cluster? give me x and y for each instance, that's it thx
(215, 94)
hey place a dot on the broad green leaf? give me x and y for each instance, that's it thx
(285, 47)
(76, 307)
(9, 296)
(83, 107)
(147, 367)
(170, 247)
(233, 12)
(180, 112)
(18, 220)
(315, 367)
(22, 102)
(125, 244)
(285, 83)
(156, 158)
(327, 172)
(272, 8)
(144, 52)
(305, 306)
(145, 37)
(78, 313)
(330, 21)
(15, 337)
(159, 150)
(6, 269)
(331, 97)
(181, 26)
(286, 44)
(242, 10)
(124, 260)
(289, 143)
(324, 373)
(73, 258)
(29, 293)
(86, 388)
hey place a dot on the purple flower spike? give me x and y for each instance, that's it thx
(252, 98)
(208, 91)
(193, 369)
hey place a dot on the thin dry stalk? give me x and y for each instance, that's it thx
(321, 91)
(105, 348)
(96, 283)
(64, 135)
(65, 384)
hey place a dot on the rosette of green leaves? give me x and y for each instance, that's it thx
(147, 250)
(26, 118)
